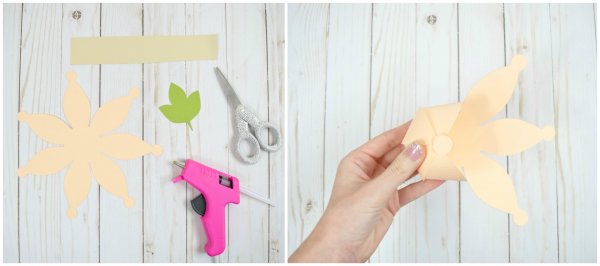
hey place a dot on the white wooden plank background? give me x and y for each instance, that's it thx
(161, 227)
(415, 62)
(11, 54)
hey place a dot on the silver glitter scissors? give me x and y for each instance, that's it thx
(249, 127)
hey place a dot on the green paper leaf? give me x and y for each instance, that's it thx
(182, 108)
(176, 94)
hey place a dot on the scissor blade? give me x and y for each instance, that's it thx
(227, 89)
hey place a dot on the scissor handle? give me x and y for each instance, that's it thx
(260, 128)
(262, 134)
(245, 135)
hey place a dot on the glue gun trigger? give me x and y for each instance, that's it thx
(199, 204)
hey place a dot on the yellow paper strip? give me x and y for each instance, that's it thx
(142, 49)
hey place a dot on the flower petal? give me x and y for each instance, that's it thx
(46, 162)
(491, 184)
(510, 136)
(113, 113)
(126, 146)
(491, 93)
(47, 127)
(77, 185)
(111, 178)
(77, 104)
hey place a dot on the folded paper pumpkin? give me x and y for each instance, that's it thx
(456, 135)
(87, 147)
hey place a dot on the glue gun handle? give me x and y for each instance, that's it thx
(214, 227)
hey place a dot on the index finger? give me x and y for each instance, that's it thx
(385, 142)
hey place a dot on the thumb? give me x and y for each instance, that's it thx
(401, 169)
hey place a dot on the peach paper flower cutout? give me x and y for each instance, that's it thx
(459, 136)
(86, 145)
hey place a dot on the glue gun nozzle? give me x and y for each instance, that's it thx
(181, 165)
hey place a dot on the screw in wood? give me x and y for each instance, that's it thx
(431, 19)
(76, 14)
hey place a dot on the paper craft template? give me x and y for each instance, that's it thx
(142, 49)
(458, 135)
(183, 108)
(87, 147)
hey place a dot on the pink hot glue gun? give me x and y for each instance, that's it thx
(217, 189)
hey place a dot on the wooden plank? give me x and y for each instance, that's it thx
(276, 81)
(165, 203)
(247, 73)
(307, 53)
(46, 233)
(348, 85)
(574, 66)
(84, 230)
(481, 50)
(437, 221)
(392, 97)
(209, 141)
(11, 52)
(533, 171)
(121, 228)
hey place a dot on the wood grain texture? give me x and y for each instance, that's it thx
(393, 94)
(208, 142)
(400, 84)
(348, 86)
(165, 203)
(247, 73)
(121, 228)
(481, 50)
(276, 81)
(307, 81)
(574, 59)
(85, 230)
(417, 62)
(10, 139)
(437, 213)
(161, 227)
(45, 232)
(533, 171)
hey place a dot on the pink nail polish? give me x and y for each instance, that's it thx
(414, 151)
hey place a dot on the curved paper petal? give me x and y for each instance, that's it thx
(486, 98)
(492, 185)
(77, 104)
(490, 94)
(126, 147)
(111, 178)
(77, 185)
(46, 162)
(113, 114)
(510, 136)
(439, 167)
(47, 127)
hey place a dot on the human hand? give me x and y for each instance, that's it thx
(365, 199)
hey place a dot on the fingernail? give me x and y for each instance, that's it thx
(414, 151)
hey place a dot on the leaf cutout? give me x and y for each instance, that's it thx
(176, 94)
(183, 108)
